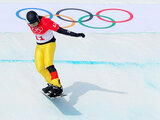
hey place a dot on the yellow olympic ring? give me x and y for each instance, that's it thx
(73, 23)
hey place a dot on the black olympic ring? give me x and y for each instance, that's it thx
(90, 14)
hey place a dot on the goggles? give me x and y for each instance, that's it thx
(34, 24)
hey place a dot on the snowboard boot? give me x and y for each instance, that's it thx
(48, 88)
(55, 91)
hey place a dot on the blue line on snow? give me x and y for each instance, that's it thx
(89, 62)
(150, 84)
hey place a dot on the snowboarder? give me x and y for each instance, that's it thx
(43, 29)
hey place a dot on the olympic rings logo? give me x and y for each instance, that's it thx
(39, 29)
(82, 19)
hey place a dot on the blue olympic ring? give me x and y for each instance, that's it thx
(17, 13)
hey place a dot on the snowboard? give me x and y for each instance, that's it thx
(59, 96)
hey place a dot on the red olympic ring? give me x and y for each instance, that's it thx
(130, 14)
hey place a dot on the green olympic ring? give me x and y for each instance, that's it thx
(113, 23)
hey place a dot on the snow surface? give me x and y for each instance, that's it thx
(105, 76)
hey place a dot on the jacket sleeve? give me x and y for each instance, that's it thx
(66, 32)
(70, 33)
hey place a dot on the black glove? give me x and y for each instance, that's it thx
(80, 35)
